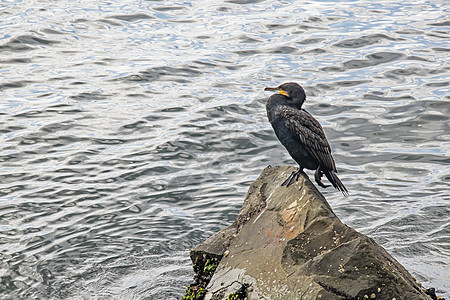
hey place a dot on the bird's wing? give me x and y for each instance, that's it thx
(307, 130)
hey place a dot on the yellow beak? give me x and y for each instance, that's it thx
(277, 89)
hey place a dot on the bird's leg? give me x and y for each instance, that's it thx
(293, 177)
(318, 176)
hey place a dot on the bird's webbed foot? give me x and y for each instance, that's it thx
(318, 176)
(293, 177)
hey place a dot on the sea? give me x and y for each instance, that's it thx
(131, 131)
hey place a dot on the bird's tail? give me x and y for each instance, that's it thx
(336, 182)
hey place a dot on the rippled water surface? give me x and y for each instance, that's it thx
(132, 129)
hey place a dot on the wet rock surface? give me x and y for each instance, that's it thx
(288, 244)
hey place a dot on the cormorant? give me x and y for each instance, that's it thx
(301, 134)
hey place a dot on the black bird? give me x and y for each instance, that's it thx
(301, 134)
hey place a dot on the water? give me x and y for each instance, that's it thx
(132, 129)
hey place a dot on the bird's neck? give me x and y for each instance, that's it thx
(275, 106)
(277, 99)
(297, 101)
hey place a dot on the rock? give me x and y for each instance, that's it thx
(288, 244)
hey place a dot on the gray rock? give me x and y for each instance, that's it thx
(288, 244)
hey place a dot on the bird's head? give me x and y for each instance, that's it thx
(293, 91)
